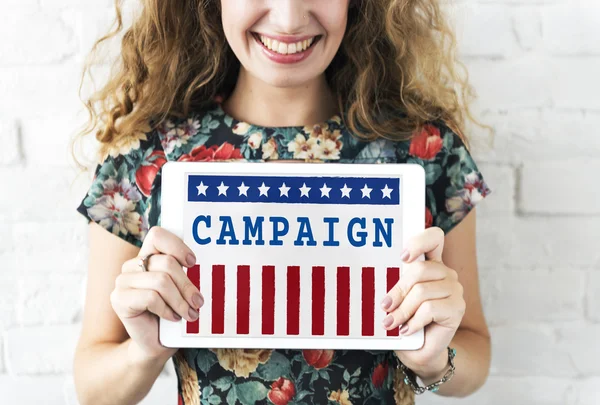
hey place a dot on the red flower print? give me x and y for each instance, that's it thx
(214, 152)
(428, 218)
(379, 375)
(427, 143)
(146, 173)
(282, 391)
(318, 358)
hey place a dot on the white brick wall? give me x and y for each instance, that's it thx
(534, 64)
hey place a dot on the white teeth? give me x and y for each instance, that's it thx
(283, 48)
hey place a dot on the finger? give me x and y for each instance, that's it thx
(420, 293)
(129, 303)
(429, 242)
(168, 264)
(163, 284)
(413, 273)
(159, 240)
(446, 312)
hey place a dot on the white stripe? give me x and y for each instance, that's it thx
(255, 300)
(206, 310)
(355, 300)
(230, 300)
(380, 291)
(280, 327)
(330, 301)
(305, 301)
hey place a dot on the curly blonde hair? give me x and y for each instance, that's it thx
(395, 70)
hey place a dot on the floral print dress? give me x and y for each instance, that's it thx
(124, 198)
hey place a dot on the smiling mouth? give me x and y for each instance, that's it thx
(284, 48)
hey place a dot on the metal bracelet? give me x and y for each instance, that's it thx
(410, 378)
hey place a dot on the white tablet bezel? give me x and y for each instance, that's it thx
(172, 190)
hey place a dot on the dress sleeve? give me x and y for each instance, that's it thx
(454, 184)
(122, 197)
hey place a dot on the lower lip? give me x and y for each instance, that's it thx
(285, 59)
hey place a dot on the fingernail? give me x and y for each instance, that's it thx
(388, 321)
(405, 255)
(191, 260)
(193, 314)
(404, 328)
(177, 317)
(387, 301)
(197, 300)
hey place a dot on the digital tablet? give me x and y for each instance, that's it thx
(292, 255)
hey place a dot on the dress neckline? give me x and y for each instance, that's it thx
(334, 121)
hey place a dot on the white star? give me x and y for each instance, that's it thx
(387, 191)
(325, 190)
(304, 190)
(284, 190)
(366, 191)
(202, 189)
(264, 190)
(243, 189)
(345, 191)
(223, 189)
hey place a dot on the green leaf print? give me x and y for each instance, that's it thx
(453, 170)
(250, 392)
(231, 396)
(214, 399)
(432, 173)
(205, 359)
(277, 366)
(223, 383)
(107, 169)
(123, 172)
(448, 140)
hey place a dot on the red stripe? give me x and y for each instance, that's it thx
(218, 299)
(193, 274)
(268, 300)
(343, 301)
(243, 299)
(293, 300)
(393, 275)
(368, 301)
(318, 300)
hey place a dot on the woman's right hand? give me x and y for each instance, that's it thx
(165, 291)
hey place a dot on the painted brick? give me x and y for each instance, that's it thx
(528, 348)
(592, 296)
(571, 28)
(49, 246)
(581, 340)
(10, 153)
(513, 390)
(576, 83)
(46, 390)
(543, 242)
(41, 350)
(560, 187)
(37, 290)
(511, 296)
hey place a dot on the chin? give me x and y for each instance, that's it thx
(286, 80)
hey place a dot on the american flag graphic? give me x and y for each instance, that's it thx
(293, 256)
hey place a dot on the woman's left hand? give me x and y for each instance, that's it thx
(428, 295)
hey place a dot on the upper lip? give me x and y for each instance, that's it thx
(287, 39)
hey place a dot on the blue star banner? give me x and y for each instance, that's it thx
(294, 189)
